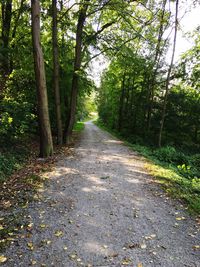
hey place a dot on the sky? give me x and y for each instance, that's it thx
(188, 23)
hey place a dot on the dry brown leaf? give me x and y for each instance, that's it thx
(2, 259)
(30, 245)
(196, 247)
(58, 233)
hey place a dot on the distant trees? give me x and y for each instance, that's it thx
(143, 97)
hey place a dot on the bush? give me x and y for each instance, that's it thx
(6, 165)
(11, 161)
(195, 160)
(170, 155)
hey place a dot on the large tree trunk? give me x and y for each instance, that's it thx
(46, 144)
(168, 78)
(56, 74)
(77, 64)
(6, 14)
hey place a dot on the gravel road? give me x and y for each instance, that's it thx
(101, 208)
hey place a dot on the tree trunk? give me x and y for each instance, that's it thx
(121, 104)
(156, 62)
(14, 31)
(168, 78)
(77, 64)
(46, 144)
(6, 13)
(56, 74)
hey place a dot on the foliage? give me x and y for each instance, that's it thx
(79, 126)
(176, 171)
(12, 159)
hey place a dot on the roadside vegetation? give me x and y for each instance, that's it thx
(177, 171)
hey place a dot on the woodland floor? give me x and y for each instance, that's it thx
(100, 208)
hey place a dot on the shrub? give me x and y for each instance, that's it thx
(6, 165)
(195, 160)
(170, 155)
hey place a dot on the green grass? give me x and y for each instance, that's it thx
(176, 172)
(79, 126)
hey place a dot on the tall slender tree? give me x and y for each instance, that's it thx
(77, 65)
(156, 61)
(46, 144)
(56, 73)
(163, 114)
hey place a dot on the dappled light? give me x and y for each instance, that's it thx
(101, 207)
(99, 133)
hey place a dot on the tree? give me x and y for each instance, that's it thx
(77, 65)
(168, 77)
(56, 73)
(46, 144)
(156, 61)
(6, 14)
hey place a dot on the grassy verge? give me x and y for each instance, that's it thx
(79, 126)
(176, 172)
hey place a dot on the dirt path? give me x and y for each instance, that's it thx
(100, 208)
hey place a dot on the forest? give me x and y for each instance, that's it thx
(99, 126)
(47, 53)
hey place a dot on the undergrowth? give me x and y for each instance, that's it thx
(12, 158)
(79, 126)
(178, 172)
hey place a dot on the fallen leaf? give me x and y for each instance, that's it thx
(132, 245)
(196, 247)
(114, 255)
(139, 264)
(126, 261)
(153, 236)
(30, 225)
(30, 245)
(43, 225)
(143, 246)
(72, 256)
(180, 218)
(58, 233)
(2, 259)
(104, 177)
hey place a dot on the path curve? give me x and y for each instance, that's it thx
(100, 208)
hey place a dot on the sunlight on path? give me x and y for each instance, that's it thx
(100, 208)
